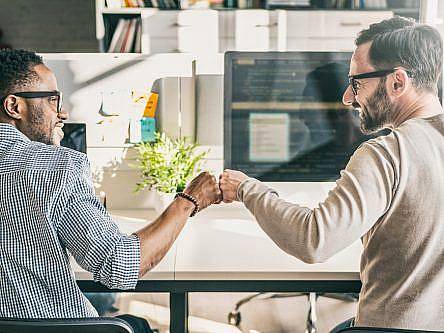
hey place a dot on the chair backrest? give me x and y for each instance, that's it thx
(81, 325)
(382, 330)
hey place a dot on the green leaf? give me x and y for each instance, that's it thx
(167, 165)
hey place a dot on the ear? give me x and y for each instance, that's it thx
(399, 83)
(12, 107)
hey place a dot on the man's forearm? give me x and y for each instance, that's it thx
(361, 196)
(289, 225)
(158, 237)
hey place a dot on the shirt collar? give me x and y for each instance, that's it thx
(11, 133)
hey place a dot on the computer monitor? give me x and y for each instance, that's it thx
(74, 136)
(283, 115)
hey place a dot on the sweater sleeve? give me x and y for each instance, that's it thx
(362, 195)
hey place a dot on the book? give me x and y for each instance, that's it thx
(114, 4)
(129, 38)
(116, 35)
(132, 3)
(138, 37)
(375, 4)
(173, 4)
(122, 37)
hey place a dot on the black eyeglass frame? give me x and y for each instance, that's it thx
(39, 94)
(369, 75)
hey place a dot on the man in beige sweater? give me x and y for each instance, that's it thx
(391, 192)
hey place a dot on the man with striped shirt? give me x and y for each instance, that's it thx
(48, 207)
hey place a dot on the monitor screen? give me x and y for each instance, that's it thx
(74, 136)
(283, 115)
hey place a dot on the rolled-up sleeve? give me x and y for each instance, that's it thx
(93, 238)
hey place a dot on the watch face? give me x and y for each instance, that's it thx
(74, 136)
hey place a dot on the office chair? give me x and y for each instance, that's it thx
(80, 325)
(235, 318)
(382, 330)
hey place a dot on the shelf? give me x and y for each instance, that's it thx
(120, 11)
(405, 10)
(166, 40)
(153, 10)
(110, 146)
(408, 12)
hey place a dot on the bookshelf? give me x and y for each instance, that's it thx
(160, 29)
(126, 11)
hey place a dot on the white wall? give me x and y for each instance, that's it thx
(87, 79)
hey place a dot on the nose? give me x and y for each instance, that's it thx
(63, 115)
(349, 97)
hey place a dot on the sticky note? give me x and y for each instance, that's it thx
(148, 128)
(151, 106)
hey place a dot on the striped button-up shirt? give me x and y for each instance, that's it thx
(48, 211)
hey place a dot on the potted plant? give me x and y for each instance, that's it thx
(166, 165)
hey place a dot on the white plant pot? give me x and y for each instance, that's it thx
(162, 200)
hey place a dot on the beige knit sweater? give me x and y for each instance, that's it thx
(391, 195)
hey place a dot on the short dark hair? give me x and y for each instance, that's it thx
(400, 41)
(17, 70)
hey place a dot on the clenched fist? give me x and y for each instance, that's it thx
(57, 135)
(229, 182)
(205, 189)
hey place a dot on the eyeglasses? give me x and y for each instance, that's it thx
(41, 94)
(352, 79)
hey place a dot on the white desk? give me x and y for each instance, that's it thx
(224, 249)
(227, 244)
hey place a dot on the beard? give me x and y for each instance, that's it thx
(40, 128)
(377, 113)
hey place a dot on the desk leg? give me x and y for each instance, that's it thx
(179, 312)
